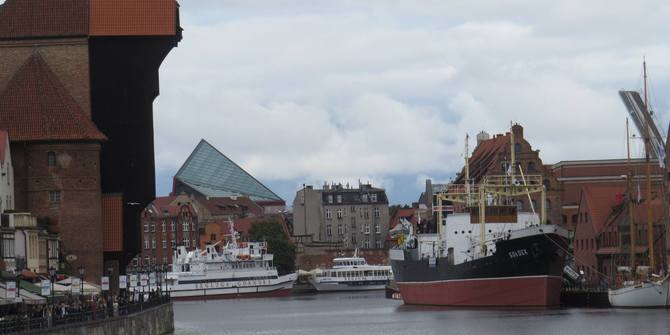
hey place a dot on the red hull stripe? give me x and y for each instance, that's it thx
(275, 293)
(508, 291)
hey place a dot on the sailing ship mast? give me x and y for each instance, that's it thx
(647, 149)
(629, 185)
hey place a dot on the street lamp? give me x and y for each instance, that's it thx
(82, 271)
(52, 276)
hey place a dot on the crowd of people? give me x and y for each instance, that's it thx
(73, 308)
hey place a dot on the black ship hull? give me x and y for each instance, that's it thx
(525, 270)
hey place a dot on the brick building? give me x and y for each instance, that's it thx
(77, 82)
(342, 215)
(166, 223)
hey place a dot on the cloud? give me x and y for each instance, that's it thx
(335, 91)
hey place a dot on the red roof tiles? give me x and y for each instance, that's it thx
(67, 18)
(601, 201)
(43, 18)
(483, 157)
(133, 17)
(35, 106)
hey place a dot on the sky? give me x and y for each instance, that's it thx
(311, 91)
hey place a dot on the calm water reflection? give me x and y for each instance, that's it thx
(371, 313)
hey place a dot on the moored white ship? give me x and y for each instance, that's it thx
(351, 274)
(240, 269)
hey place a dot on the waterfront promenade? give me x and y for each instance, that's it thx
(370, 313)
(95, 316)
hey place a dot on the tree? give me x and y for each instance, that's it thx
(278, 244)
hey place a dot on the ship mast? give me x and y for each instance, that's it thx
(629, 185)
(647, 145)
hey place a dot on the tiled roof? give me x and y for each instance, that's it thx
(133, 17)
(483, 157)
(35, 106)
(226, 205)
(211, 173)
(4, 140)
(112, 223)
(43, 18)
(67, 18)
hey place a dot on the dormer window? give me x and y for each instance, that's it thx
(51, 158)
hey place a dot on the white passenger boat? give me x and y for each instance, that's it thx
(240, 269)
(351, 274)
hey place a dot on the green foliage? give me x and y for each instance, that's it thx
(278, 244)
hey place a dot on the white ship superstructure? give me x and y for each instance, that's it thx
(351, 274)
(241, 268)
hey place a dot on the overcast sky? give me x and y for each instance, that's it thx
(384, 91)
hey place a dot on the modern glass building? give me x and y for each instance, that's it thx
(209, 173)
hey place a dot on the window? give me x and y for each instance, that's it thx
(365, 198)
(192, 226)
(147, 260)
(376, 212)
(517, 147)
(164, 244)
(377, 231)
(329, 214)
(165, 260)
(54, 197)
(547, 204)
(353, 238)
(146, 244)
(339, 213)
(519, 205)
(173, 226)
(373, 197)
(378, 244)
(330, 198)
(185, 226)
(339, 198)
(51, 158)
(212, 237)
(153, 228)
(574, 218)
(174, 244)
(366, 213)
(339, 229)
(163, 227)
(195, 245)
(367, 228)
(146, 227)
(329, 230)
(187, 242)
(367, 244)
(153, 243)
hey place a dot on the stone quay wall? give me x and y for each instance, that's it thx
(157, 320)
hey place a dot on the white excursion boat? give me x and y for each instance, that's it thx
(351, 274)
(653, 293)
(240, 269)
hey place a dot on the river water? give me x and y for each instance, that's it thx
(371, 313)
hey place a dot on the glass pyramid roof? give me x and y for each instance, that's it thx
(210, 172)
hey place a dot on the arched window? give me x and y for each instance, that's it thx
(51, 158)
(519, 205)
